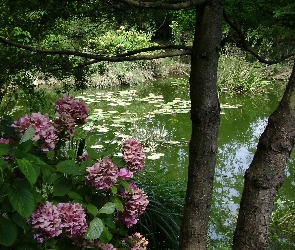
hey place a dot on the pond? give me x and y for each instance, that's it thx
(158, 115)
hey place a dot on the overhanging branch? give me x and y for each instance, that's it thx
(129, 56)
(164, 5)
(248, 48)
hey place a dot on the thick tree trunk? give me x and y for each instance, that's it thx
(205, 116)
(266, 174)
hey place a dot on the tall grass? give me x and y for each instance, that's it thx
(161, 221)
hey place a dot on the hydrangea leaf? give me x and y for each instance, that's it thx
(126, 186)
(105, 236)
(108, 208)
(118, 203)
(8, 232)
(62, 186)
(28, 135)
(21, 198)
(5, 149)
(92, 209)
(28, 170)
(95, 229)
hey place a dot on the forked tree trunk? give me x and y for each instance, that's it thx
(266, 174)
(205, 117)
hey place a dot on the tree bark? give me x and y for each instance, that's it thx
(205, 117)
(266, 174)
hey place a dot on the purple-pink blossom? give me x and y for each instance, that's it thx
(44, 130)
(75, 108)
(125, 174)
(84, 156)
(136, 242)
(50, 220)
(133, 155)
(46, 219)
(134, 205)
(69, 112)
(73, 219)
(103, 174)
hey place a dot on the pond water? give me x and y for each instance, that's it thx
(158, 115)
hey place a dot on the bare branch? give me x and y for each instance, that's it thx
(248, 48)
(165, 5)
(129, 56)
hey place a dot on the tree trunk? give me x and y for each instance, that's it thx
(266, 174)
(205, 117)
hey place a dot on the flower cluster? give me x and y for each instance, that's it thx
(133, 155)
(51, 220)
(136, 242)
(70, 112)
(134, 205)
(44, 130)
(103, 174)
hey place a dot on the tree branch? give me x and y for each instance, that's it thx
(165, 5)
(129, 56)
(248, 48)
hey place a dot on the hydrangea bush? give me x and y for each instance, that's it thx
(53, 198)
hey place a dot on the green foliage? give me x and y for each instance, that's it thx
(29, 176)
(119, 41)
(162, 218)
(282, 229)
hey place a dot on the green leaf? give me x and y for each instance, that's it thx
(74, 195)
(114, 190)
(95, 229)
(108, 208)
(5, 149)
(8, 232)
(28, 170)
(28, 135)
(20, 221)
(71, 170)
(62, 186)
(105, 236)
(66, 163)
(21, 198)
(126, 186)
(92, 209)
(118, 203)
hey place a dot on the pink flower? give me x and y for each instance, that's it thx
(125, 174)
(46, 219)
(103, 174)
(73, 219)
(44, 130)
(134, 205)
(84, 156)
(136, 242)
(75, 108)
(133, 154)
(51, 220)
(64, 122)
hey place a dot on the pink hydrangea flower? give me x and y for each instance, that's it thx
(51, 220)
(136, 242)
(64, 122)
(73, 219)
(103, 174)
(75, 108)
(134, 205)
(44, 130)
(125, 174)
(69, 112)
(84, 156)
(46, 219)
(133, 155)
